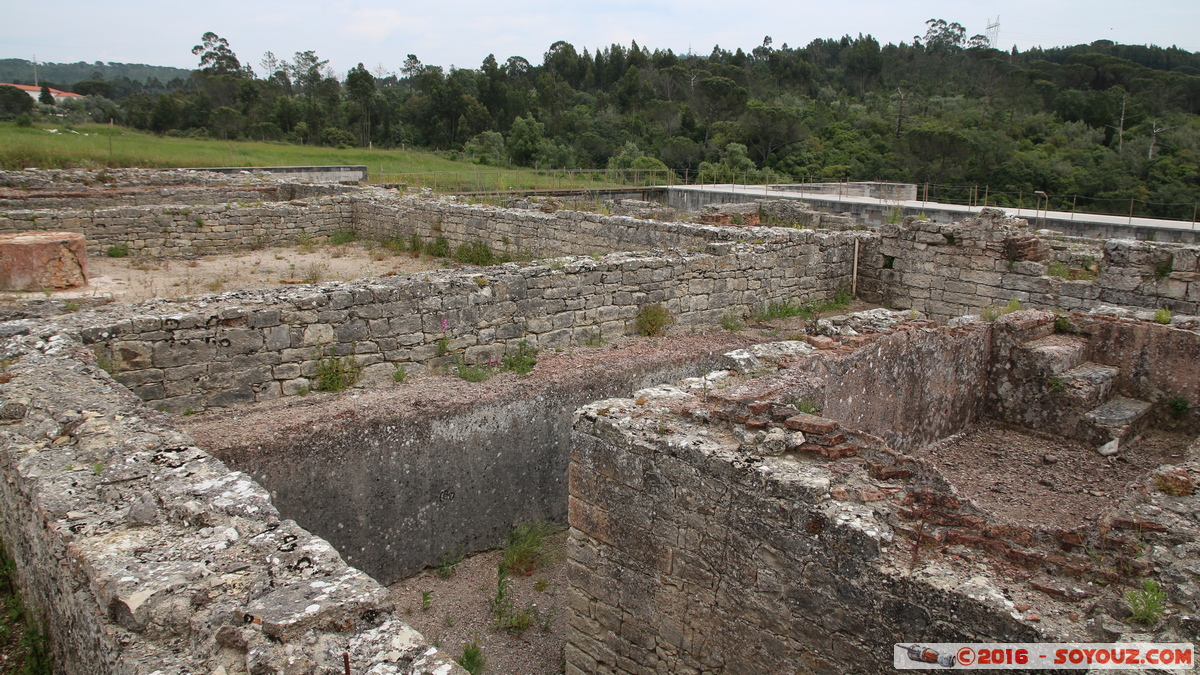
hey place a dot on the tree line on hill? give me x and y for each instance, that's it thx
(1099, 127)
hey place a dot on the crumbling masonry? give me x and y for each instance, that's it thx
(714, 525)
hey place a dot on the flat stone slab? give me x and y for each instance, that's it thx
(38, 261)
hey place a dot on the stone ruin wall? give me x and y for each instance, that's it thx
(252, 346)
(258, 345)
(140, 553)
(698, 546)
(948, 270)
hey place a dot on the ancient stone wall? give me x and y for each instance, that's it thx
(688, 556)
(956, 269)
(258, 345)
(524, 232)
(727, 531)
(139, 553)
(204, 229)
(398, 487)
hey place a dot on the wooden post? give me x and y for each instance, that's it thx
(1131, 200)
(854, 272)
(987, 189)
(1074, 201)
(1194, 207)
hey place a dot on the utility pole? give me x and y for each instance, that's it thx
(35, 77)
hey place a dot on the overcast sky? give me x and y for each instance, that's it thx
(463, 32)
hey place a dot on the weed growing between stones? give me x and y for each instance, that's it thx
(426, 600)
(1147, 604)
(992, 312)
(118, 251)
(1062, 324)
(653, 320)
(475, 373)
(523, 361)
(1178, 407)
(472, 659)
(335, 374)
(399, 374)
(730, 322)
(1162, 315)
(479, 253)
(1163, 269)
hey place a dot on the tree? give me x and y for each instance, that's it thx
(524, 138)
(216, 58)
(769, 128)
(45, 97)
(226, 121)
(165, 115)
(942, 36)
(360, 84)
(14, 102)
(306, 70)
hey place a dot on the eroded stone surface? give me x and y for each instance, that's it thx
(144, 554)
(39, 261)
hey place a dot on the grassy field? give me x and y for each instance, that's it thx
(98, 145)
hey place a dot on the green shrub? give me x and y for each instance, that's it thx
(400, 373)
(779, 310)
(477, 252)
(1013, 305)
(472, 659)
(989, 313)
(118, 251)
(24, 120)
(1162, 315)
(438, 248)
(1147, 604)
(394, 245)
(653, 319)
(730, 322)
(414, 242)
(523, 361)
(1178, 406)
(342, 237)
(1062, 324)
(335, 374)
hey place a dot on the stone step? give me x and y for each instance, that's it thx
(1050, 356)
(1086, 386)
(1120, 418)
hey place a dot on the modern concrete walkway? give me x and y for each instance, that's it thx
(877, 210)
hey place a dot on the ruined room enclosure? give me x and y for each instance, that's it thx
(395, 475)
(725, 530)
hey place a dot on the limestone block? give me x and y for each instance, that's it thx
(35, 261)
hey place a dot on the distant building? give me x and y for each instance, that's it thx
(59, 96)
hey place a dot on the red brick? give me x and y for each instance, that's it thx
(1135, 524)
(757, 422)
(759, 407)
(885, 472)
(811, 424)
(843, 450)
(822, 342)
(828, 440)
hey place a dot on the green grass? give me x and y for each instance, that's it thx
(23, 148)
(1147, 604)
(525, 547)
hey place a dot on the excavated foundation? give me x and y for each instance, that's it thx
(878, 477)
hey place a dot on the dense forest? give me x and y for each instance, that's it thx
(1096, 125)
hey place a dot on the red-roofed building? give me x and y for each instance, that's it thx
(35, 92)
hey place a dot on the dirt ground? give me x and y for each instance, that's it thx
(458, 612)
(135, 278)
(1028, 479)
